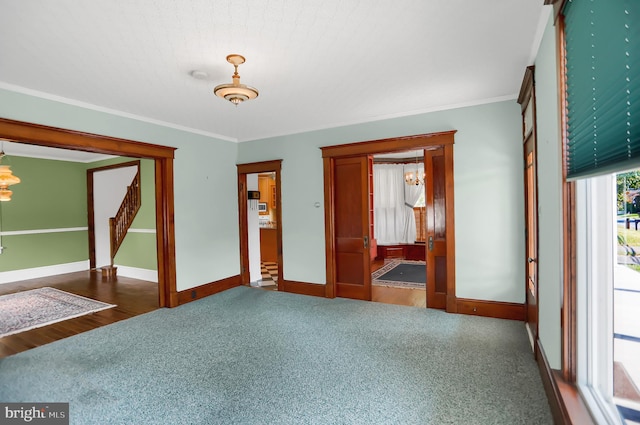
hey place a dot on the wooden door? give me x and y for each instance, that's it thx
(531, 235)
(436, 214)
(351, 224)
(527, 100)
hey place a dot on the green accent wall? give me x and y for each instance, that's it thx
(138, 250)
(44, 249)
(51, 195)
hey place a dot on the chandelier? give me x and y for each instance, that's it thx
(414, 179)
(6, 179)
(235, 92)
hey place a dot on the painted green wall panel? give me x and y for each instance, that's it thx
(44, 249)
(138, 250)
(51, 195)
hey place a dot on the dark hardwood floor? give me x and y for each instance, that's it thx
(414, 297)
(132, 297)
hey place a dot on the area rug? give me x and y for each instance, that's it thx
(32, 309)
(401, 273)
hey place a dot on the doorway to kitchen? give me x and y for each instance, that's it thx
(260, 219)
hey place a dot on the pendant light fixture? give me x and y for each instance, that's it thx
(6, 179)
(414, 179)
(235, 92)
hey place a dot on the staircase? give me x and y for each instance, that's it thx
(120, 224)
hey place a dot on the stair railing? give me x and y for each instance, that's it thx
(120, 224)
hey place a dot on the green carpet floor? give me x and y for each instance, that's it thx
(249, 356)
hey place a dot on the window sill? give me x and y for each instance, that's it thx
(565, 400)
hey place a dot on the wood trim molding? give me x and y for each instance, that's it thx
(396, 144)
(526, 89)
(450, 224)
(430, 141)
(36, 134)
(565, 401)
(55, 137)
(497, 309)
(207, 289)
(568, 315)
(304, 288)
(329, 228)
(558, 5)
(91, 202)
(408, 161)
(274, 166)
(259, 167)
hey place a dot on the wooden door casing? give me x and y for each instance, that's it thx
(351, 197)
(527, 100)
(273, 166)
(436, 212)
(433, 141)
(531, 233)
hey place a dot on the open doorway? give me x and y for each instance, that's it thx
(348, 216)
(398, 228)
(260, 215)
(40, 135)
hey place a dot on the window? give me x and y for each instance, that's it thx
(608, 296)
(601, 126)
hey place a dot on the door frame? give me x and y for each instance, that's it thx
(91, 204)
(429, 141)
(527, 99)
(274, 166)
(41, 135)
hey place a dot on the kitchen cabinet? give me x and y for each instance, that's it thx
(268, 245)
(263, 187)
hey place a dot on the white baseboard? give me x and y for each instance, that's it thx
(137, 273)
(37, 272)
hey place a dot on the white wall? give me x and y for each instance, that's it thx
(253, 229)
(489, 204)
(109, 189)
(488, 184)
(549, 197)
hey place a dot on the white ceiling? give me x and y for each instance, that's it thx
(317, 64)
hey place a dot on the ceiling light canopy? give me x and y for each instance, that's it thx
(235, 92)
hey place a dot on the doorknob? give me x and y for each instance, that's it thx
(430, 243)
(366, 242)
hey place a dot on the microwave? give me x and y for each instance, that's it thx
(262, 207)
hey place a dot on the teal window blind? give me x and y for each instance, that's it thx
(602, 46)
